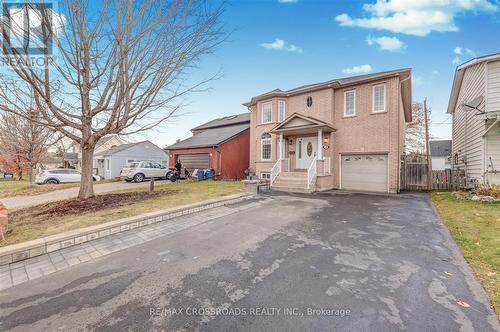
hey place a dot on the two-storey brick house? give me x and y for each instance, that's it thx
(345, 133)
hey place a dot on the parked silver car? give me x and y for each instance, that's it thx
(138, 171)
(61, 175)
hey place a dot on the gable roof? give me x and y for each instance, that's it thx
(403, 73)
(459, 76)
(441, 148)
(225, 121)
(305, 122)
(211, 137)
(122, 147)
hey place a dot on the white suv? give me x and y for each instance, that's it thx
(140, 170)
(61, 175)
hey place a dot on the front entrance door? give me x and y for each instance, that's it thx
(305, 151)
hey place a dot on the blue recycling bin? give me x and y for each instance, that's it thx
(201, 174)
(210, 173)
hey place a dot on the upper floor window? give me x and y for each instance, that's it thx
(267, 110)
(379, 98)
(281, 110)
(309, 101)
(266, 146)
(350, 103)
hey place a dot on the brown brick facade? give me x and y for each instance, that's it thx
(365, 133)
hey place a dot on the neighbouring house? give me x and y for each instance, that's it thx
(440, 151)
(222, 144)
(111, 161)
(73, 155)
(345, 133)
(475, 107)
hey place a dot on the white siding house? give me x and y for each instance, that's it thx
(475, 107)
(110, 162)
(440, 151)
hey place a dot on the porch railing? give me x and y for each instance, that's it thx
(311, 172)
(276, 170)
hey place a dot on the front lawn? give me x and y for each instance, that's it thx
(56, 217)
(475, 226)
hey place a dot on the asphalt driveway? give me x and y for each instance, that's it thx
(294, 263)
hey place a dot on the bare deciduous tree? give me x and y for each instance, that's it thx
(415, 130)
(121, 72)
(23, 142)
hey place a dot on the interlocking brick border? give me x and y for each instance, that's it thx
(25, 250)
(4, 221)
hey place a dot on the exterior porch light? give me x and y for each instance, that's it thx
(326, 139)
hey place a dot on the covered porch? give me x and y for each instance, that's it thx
(304, 151)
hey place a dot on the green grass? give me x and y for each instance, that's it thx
(11, 188)
(475, 226)
(25, 224)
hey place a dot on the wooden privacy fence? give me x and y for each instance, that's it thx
(415, 175)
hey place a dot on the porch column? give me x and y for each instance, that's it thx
(280, 147)
(320, 144)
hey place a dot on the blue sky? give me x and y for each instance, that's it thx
(284, 44)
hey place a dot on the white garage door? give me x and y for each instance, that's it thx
(364, 172)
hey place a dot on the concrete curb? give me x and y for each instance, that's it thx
(18, 252)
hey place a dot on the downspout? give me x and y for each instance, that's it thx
(485, 139)
(219, 160)
(399, 129)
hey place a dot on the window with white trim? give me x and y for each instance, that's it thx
(267, 110)
(281, 110)
(350, 103)
(266, 146)
(379, 98)
(265, 175)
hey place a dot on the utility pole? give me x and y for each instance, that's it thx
(427, 149)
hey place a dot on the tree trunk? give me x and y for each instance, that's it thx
(87, 183)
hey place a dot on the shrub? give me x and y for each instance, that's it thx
(489, 190)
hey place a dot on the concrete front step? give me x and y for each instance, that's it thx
(294, 174)
(291, 181)
(292, 189)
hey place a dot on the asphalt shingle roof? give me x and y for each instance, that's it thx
(225, 121)
(118, 148)
(440, 148)
(210, 137)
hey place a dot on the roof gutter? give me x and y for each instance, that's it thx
(330, 84)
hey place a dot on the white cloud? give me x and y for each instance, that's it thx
(287, 1)
(362, 69)
(281, 45)
(415, 17)
(435, 72)
(385, 43)
(462, 51)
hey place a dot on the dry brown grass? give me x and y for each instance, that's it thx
(51, 218)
